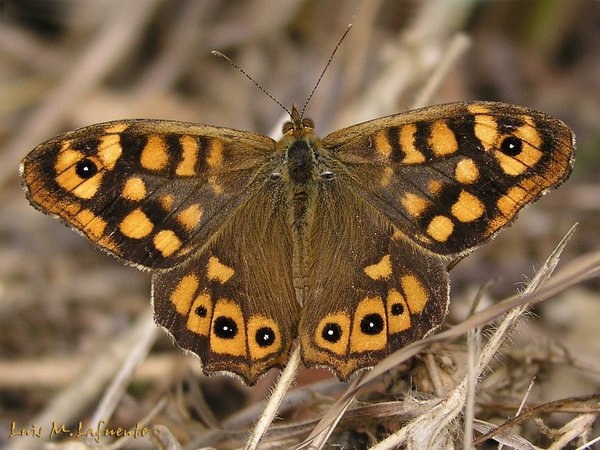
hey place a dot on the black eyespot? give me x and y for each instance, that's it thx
(225, 327)
(332, 332)
(371, 324)
(86, 168)
(327, 175)
(201, 311)
(274, 176)
(264, 337)
(511, 146)
(397, 309)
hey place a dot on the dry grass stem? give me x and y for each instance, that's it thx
(69, 404)
(277, 396)
(147, 334)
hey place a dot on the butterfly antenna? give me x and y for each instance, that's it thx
(243, 72)
(325, 69)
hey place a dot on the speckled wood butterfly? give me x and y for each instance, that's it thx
(337, 242)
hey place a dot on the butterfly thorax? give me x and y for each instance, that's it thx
(300, 171)
(301, 161)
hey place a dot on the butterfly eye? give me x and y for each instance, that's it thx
(308, 123)
(332, 332)
(264, 337)
(225, 327)
(327, 175)
(511, 146)
(371, 324)
(287, 127)
(86, 168)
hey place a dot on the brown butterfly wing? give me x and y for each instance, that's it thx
(371, 291)
(450, 176)
(440, 180)
(233, 304)
(147, 191)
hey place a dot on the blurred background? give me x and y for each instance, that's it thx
(66, 64)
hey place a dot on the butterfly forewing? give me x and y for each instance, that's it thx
(450, 176)
(149, 192)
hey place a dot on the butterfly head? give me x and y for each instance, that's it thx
(300, 149)
(298, 126)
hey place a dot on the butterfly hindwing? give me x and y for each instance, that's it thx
(147, 191)
(233, 304)
(451, 176)
(371, 291)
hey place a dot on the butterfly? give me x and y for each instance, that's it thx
(338, 243)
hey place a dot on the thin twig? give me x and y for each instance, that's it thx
(281, 388)
(459, 45)
(70, 404)
(137, 353)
